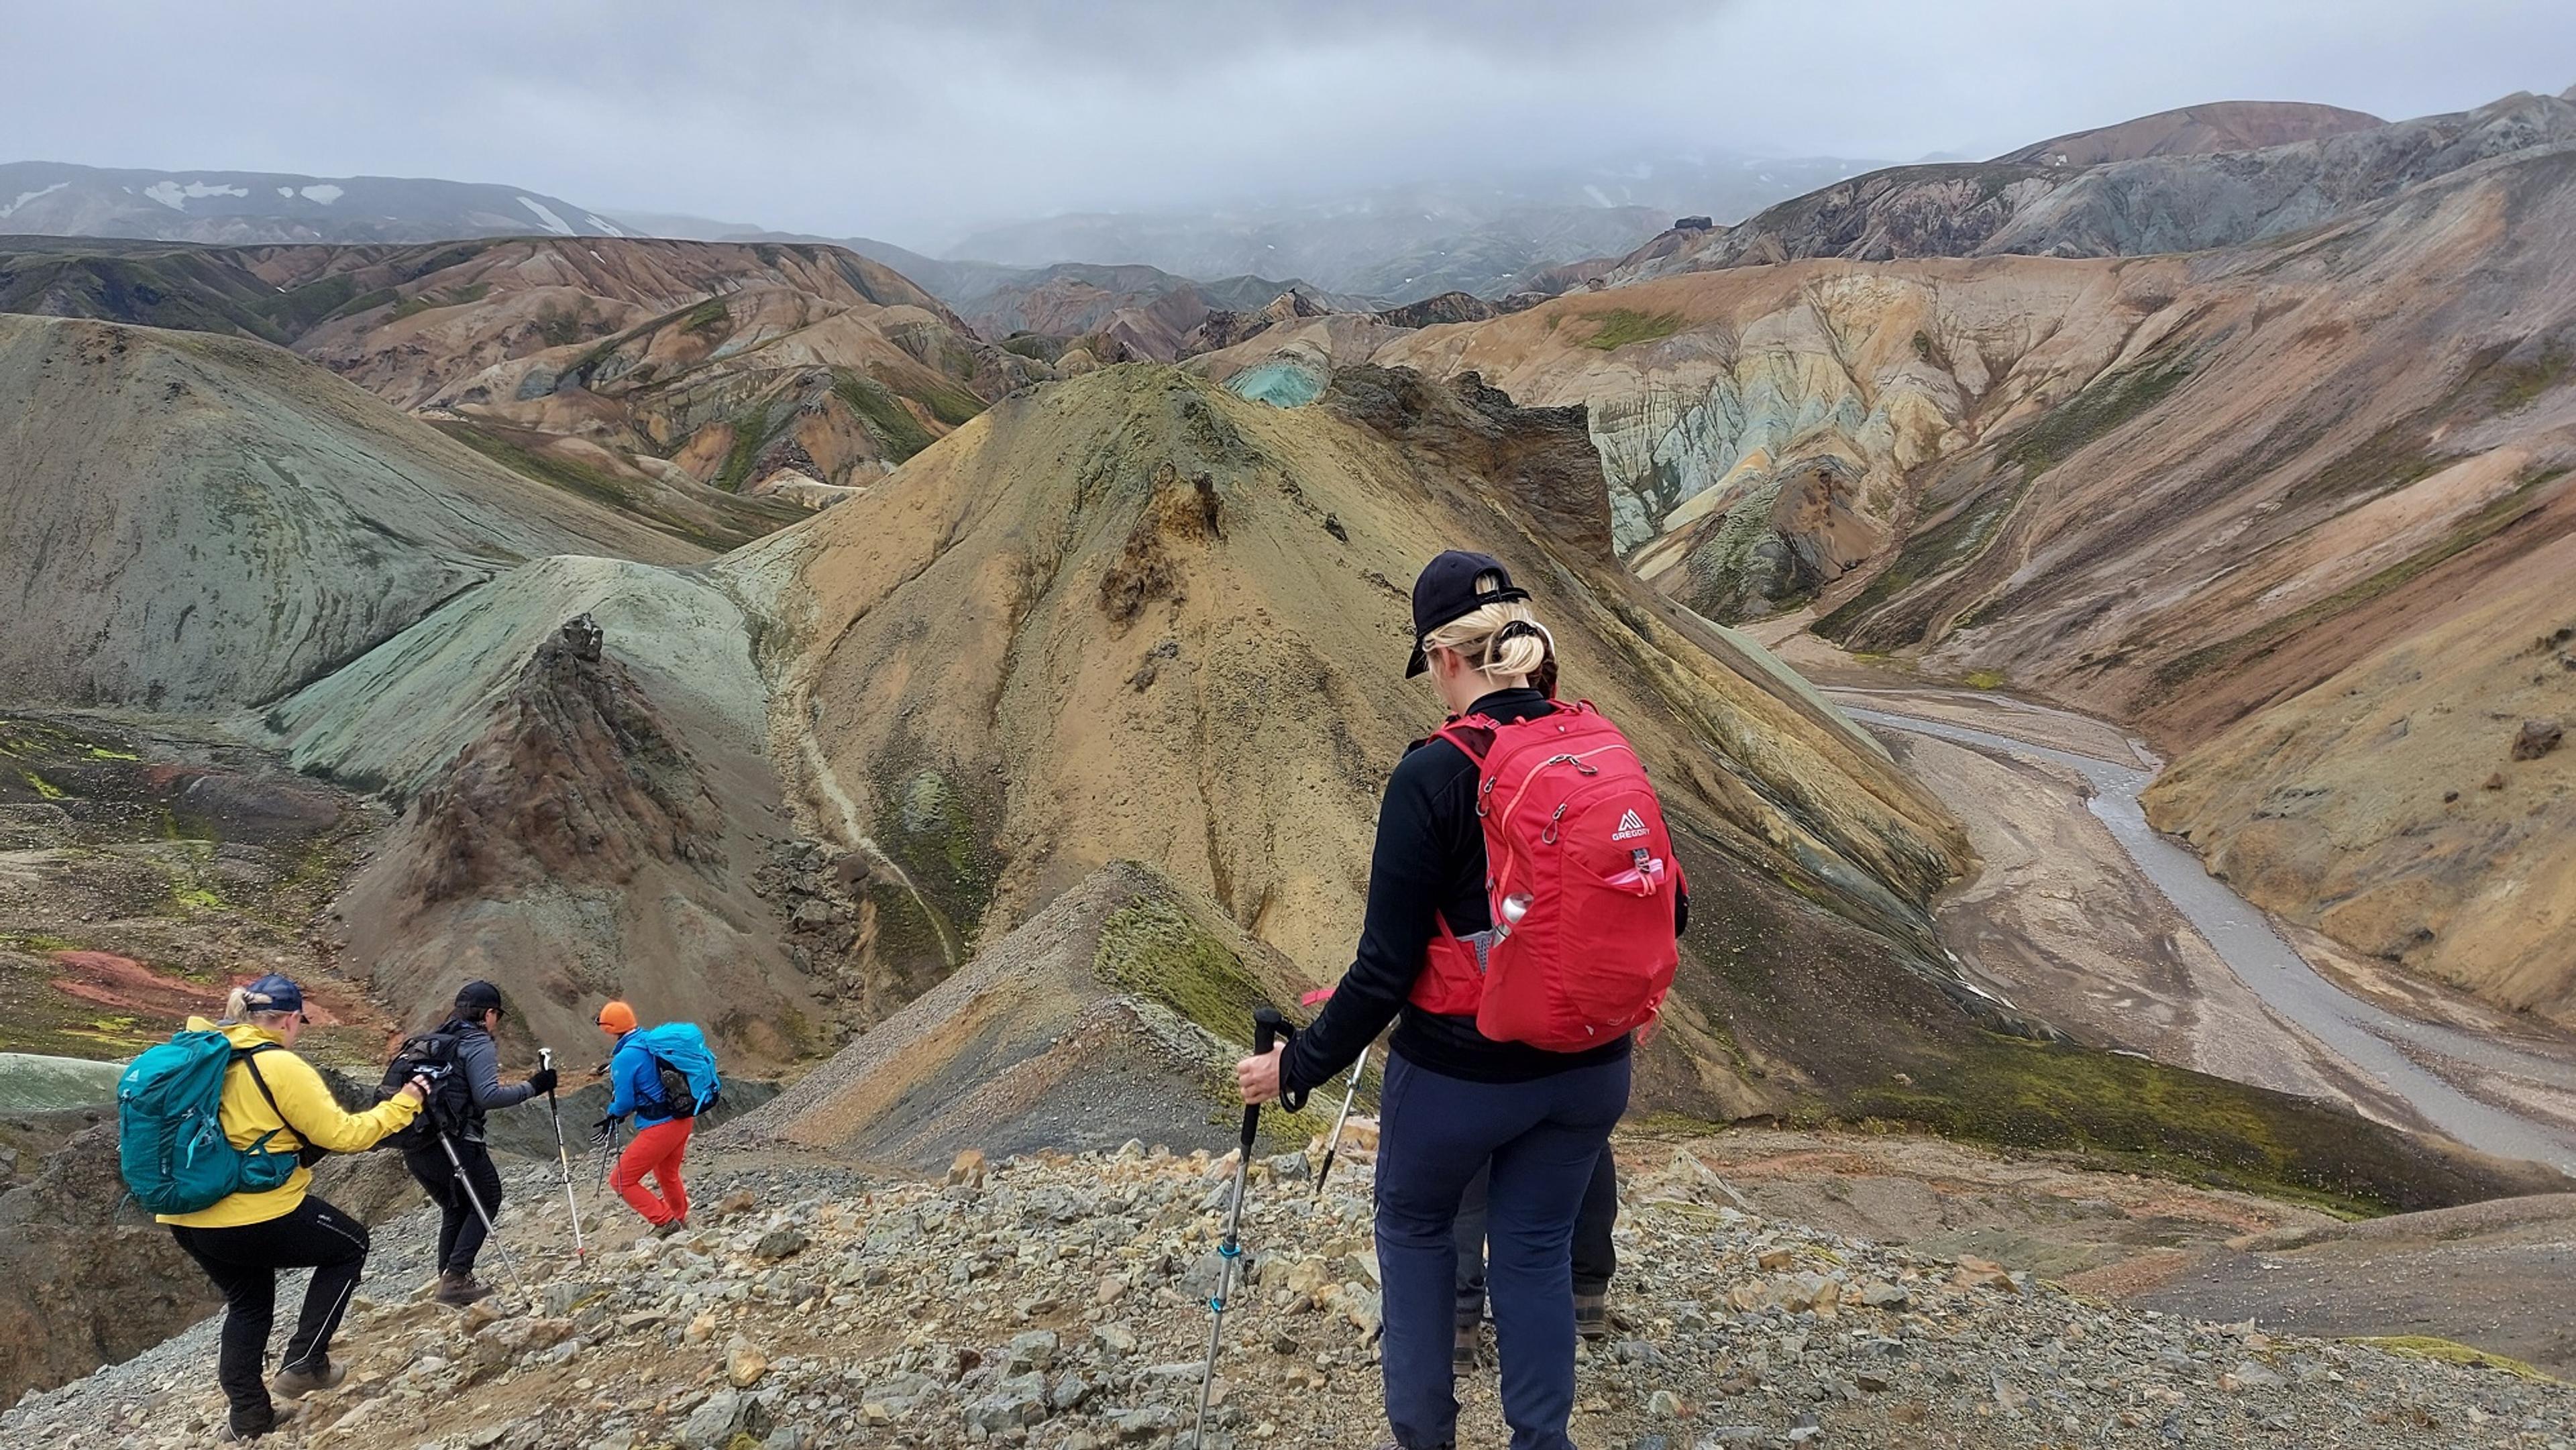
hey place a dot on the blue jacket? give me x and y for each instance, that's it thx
(635, 1084)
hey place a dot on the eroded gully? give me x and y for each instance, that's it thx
(2403, 1054)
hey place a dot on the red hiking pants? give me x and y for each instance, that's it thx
(656, 1150)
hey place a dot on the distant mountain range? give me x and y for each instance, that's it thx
(1390, 245)
(1404, 243)
(2178, 181)
(51, 198)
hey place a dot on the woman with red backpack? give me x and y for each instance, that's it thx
(1523, 905)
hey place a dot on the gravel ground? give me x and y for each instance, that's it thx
(1058, 1302)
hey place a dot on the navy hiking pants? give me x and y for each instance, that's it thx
(1543, 1139)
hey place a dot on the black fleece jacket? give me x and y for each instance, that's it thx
(1429, 859)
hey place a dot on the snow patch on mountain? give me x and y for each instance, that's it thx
(176, 196)
(553, 223)
(25, 197)
(323, 192)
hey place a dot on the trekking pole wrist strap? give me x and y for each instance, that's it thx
(1270, 1029)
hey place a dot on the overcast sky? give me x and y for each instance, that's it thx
(914, 119)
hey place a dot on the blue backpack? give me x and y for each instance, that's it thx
(170, 1142)
(685, 1064)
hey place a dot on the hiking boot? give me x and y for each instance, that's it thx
(456, 1291)
(1592, 1316)
(670, 1226)
(295, 1384)
(279, 1416)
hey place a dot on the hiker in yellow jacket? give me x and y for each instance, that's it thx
(244, 1239)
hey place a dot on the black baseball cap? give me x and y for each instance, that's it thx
(477, 997)
(1445, 591)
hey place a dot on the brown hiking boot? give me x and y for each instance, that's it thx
(456, 1291)
(1592, 1315)
(295, 1384)
(670, 1226)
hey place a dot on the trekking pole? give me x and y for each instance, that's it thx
(491, 1234)
(607, 1143)
(563, 1157)
(1268, 1029)
(1333, 1144)
(604, 1143)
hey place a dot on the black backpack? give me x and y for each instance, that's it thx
(450, 1109)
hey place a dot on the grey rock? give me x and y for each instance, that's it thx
(1146, 1422)
(722, 1415)
(1016, 1403)
(1034, 1350)
(2255, 1375)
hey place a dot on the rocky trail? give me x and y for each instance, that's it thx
(1057, 1301)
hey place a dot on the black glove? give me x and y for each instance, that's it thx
(604, 1131)
(541, 1082)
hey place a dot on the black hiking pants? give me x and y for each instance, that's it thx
(460, 1229)
(244, 1262)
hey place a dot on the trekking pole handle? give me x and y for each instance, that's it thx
(1271, 1029)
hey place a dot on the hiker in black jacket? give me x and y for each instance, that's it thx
(1456, 1100)
(478, 1060)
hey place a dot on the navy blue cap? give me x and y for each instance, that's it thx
(273, 993)
(1445, 592)
(478, 997)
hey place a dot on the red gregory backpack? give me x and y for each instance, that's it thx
(1579, 878)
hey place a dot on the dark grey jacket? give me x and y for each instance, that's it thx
(481, 1058)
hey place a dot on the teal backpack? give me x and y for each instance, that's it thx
(170, 1142)
(686, 1065)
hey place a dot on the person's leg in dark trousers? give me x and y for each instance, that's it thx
(1470, 1236)
(1435, 1132)
(429, 1169)
(250, 1311)
(1595, 1259)
(1539, 1180)
(334, 1245)
(243, 1262)
(485, 1177)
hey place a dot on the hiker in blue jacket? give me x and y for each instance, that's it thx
(661, 1140)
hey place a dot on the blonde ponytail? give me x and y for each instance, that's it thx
(1502, 641)
(237, 1005)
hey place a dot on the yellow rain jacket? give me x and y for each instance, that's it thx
(312, 1116)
